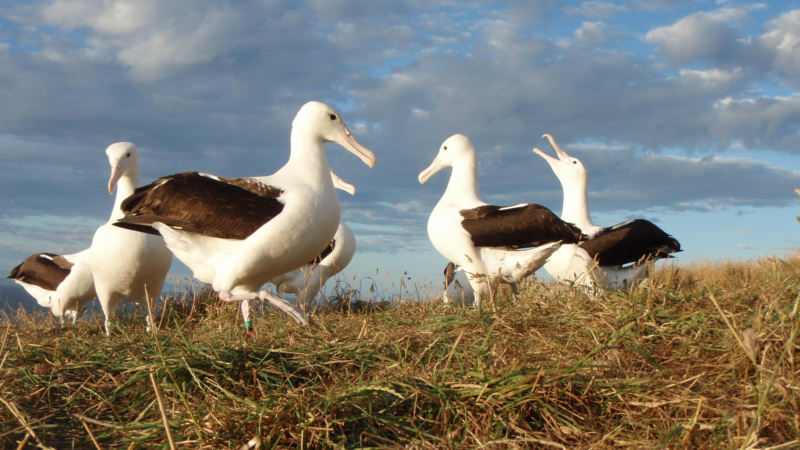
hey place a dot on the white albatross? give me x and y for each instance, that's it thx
(239, 233)
(126, 265)
(492, 243)
(306, 282)
(62, 283)
(612, 257)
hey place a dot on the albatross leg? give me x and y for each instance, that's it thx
(514, 291)
(284, 306)
(226, 296)
(274, 300)
(248, 324)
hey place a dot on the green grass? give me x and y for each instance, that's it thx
(698, 356)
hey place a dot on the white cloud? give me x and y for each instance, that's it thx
(701, 35)
(420, 113)
(596, 9)
(204, 85)
(711, 75)
(155, 39)
(767, 122)
(119, 17)
(783, 37)
(591, 34)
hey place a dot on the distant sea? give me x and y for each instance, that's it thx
(13, 296)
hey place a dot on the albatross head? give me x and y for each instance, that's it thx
(123, 156)
(326, 124)
(454, 149)
(568, 169)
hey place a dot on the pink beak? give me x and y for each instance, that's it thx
(116, 173)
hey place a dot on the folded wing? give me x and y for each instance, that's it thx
(519, 226)
(229, 208)
(630, 242)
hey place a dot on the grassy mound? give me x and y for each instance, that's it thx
(699, 356)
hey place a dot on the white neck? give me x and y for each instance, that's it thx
(125, 186)
(307, 157)
(575, 208)
(463, 185)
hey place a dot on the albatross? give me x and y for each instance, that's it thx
(62, 283)
(613, 256)
(125, 265)
(305, 282)
(239, 233)
(492, 243)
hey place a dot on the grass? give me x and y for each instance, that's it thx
(704, 355)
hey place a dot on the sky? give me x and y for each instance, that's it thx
(686, 113)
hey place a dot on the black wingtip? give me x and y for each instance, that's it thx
(136, 227)
(15, 272)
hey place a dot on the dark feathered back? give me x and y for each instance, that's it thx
(630, 242)
(527, 225)
(231, 208)
(45, 270)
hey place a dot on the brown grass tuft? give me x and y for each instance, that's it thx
(703, 355)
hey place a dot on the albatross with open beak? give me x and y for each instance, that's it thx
(492, 243)
(612, 256)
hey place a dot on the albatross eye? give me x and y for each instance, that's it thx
(444, 148)
(574, 162)
(128, 155)
(333, 116)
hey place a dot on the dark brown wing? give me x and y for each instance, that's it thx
(230, 208)
(45, 270)
(630, 242)
(526, 225)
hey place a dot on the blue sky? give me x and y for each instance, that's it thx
(684, 113)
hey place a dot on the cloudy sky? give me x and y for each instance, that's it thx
(686, 113)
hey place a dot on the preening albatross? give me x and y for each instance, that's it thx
(612, 256)
(126, 265)
(239, 233)
(62, 283)
(492, 243)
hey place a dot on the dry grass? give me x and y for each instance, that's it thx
(699, 356)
